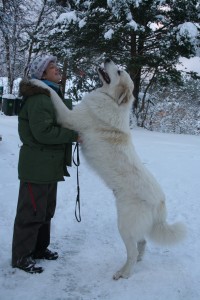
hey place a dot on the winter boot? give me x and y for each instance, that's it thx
(28, 265)
(47, 254)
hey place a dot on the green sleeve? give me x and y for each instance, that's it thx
(42, 121)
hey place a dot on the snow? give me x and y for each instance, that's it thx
(189, 29)
(4, 84)
(108, 34)
(91, 251)
(66, 18)
(133, 24)
(82, 23)
(189, 64)
(8, 96)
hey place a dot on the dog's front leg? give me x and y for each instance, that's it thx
(65, 117)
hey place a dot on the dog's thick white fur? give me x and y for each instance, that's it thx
(102, 119)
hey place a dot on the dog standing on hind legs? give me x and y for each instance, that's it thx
(102, 120)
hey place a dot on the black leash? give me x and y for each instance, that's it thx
(77, 164)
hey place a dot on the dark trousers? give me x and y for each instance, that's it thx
(36, 207)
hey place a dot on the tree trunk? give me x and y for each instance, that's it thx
(135, 70)
(7, 48)
(64, 76)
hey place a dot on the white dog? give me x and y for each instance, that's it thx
(102, 119)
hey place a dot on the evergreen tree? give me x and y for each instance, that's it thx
(146, 36)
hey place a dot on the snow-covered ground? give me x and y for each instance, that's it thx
(91, 251)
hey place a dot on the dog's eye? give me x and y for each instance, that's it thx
(119, 72)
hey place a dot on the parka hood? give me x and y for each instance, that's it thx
(27, 89)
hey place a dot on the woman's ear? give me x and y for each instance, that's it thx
(43, 75)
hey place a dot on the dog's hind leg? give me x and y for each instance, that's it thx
(141, 249)
(132, 254)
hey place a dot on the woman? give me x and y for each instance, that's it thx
(43, 160)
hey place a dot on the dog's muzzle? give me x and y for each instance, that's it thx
(104, 75)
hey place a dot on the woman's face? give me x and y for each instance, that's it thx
(52, 73)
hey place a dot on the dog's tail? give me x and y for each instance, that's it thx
(164, 233)
(168, 234)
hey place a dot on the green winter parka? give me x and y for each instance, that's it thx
(46, 147)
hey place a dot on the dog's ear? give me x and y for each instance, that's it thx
(124, 96)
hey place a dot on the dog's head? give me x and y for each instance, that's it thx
(116, 82)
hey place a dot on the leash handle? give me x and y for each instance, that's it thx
(77, 206)
(77, 164)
